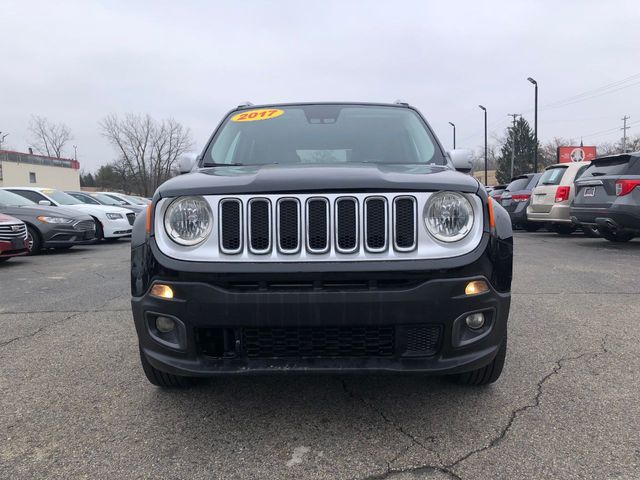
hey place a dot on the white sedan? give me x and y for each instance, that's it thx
(111, 222)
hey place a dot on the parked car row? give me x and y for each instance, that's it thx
(599, 197)
(51, 218)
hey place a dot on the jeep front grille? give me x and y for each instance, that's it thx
(318, 227)
(316, 219)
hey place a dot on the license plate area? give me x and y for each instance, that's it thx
(589, 192)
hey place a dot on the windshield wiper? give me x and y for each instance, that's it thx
(223, 164)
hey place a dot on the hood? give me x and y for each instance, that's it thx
(89, 208)
(6, 219)
(35, 210)
(320, 178)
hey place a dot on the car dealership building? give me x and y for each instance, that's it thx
(18, 169)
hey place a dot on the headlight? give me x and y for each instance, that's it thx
(113, 216)
(55, 219)
(188, 220)
(448, 216)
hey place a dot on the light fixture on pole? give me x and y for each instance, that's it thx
(535, 124)
(485, 142)
(454, 134)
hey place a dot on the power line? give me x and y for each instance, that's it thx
(595, 90)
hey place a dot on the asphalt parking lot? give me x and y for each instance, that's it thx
(75, 402)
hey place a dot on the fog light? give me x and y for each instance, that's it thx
(475, 320)
(476, 287)
(165, 324)
(162, 291)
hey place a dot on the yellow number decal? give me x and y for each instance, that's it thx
(261, 114)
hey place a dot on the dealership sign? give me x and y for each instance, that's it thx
(576, 154)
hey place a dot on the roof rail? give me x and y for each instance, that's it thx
(401, 102)
(245, 104)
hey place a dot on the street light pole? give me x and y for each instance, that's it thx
(485, 143)
(454, 134)
(535, 125)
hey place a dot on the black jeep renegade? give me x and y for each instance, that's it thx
(322, 237)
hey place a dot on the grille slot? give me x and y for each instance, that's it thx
(345, 341)
(288, 225)
(84, 225)
(375, 224)
(260, 225)
(404, 223)
(230, 226)
(346, 225)
(318, 225)
(422, 340)
(131, 217)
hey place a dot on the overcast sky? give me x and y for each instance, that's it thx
(75, 62)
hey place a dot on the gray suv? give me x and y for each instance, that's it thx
(608, 196)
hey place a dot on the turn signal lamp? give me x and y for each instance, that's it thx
(476, 287)
(161, 290)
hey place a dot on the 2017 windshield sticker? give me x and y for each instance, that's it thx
(261, 114)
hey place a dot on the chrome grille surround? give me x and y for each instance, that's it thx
(221, 231)
(326, 223)
(396, 224)
(255, 236)
(8, 233)
(280, 219)
(424, 246)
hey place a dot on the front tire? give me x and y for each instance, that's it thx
(34, 240)
(615, 236)
(163, 379)
(487, 374)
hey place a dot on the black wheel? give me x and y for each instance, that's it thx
(615, 236)
(34, 240)
(99, 230)
(532, 226)
(564, 229)
(162, 379)
(487, 374)
(590, 231)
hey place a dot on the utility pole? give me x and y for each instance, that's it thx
(75, 152)
(485, 142)
(624, 133)
(454, 134)
(513, 144)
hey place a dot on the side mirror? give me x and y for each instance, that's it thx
(44, 203)
(462, 160)
(186, 164)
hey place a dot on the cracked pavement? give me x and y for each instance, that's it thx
(75, 403)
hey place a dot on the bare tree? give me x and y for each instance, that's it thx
(48, 138)
(147, 148)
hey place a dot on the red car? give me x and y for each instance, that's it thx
(13, 238)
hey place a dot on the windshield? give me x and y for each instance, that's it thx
(552, 176)
(618, 166)
(61, 197)
(107, 199)
(85, 198)
(10, 199)
(518, 184)
(334, 134)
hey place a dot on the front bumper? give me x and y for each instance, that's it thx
(116, 228)
(13, 248)
(305, 304)
(64, 236)
(557, 214)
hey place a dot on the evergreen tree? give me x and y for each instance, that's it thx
(522, 136)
